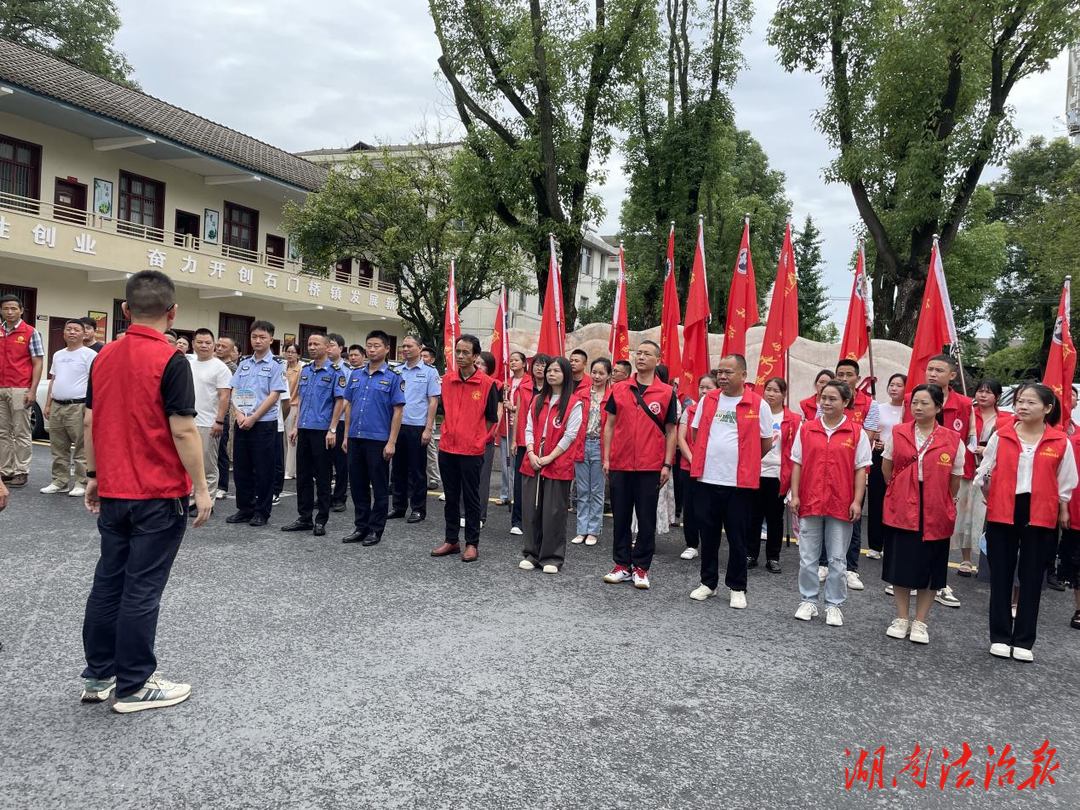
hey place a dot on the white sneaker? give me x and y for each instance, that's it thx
(156, 693)
(889, 590)
(641, 579)
(620, 573)
(51, 489)
(918, 633)
(806, 611)
(590, 540)
(516, 530)
(688, 553)
(737, 600)
(551, 569)
(702, 592)
(1020, 654)
(525, 565)
(833, 616)
(873, 555)
(220, 495)
(78, 492)
(853, 581)
(945, 597)
(1001, 650)
(822, 573)
(578, 539)
(97, 691)
(899, 628)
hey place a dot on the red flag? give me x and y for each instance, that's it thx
(742, 311)
(936, 327)
(669, 320)
(1061, 364)
(500, 343)
(619, 343)
(451, 324)
(856, 340)
(552, 326)
(696, 329)
(783, 325)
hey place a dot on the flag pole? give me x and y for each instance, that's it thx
(869, 331)
(955, 349)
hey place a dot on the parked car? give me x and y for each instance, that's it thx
(38, 427)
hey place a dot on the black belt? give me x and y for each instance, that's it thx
(69, 401)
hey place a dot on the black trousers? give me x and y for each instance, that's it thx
(279, 463)
(875, 489)
(677, 484)
(1017, 549)
(410, 470)
(139, 541)
(768, 507)
(1070, 558)
(728, 509)
(253, 450)
(634, 492)
(369, 475)
(341, 468)
(689, 521)
(515, 511)
(223, 455)
(461, 483)
(313, 468)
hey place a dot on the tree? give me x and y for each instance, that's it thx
(539, 92)
(813, 302)
(917, 106)
(400, 211)
(80, 31)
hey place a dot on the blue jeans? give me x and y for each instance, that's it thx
(834, 534)
(853, 550)
(589, 483)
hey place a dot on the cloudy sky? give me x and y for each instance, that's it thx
(328, 73)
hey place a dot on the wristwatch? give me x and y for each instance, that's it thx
(91, 473)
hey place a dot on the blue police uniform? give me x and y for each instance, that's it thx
(410, 459)
(340, 460)
(373, 398)
(253, 448)
(319, 388)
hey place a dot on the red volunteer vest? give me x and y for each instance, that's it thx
(788, 428)
(1001, 502)
(639, 445)
(133, 444)
(1074, 501)
(748, 425)
(691, 409)
(521, 399)
(1003, 418)
(464, 429)
(16, 364)
(809, 408)
(860, 407)
(499, 428)
(827, 486)
(956, 416)
(562, 468)
(579, 443)
(902, 507)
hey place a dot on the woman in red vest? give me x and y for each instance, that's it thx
(520, 400)
(775, 480)
(590, 483)
(706, 384)
(1070, 539)
(1028, 474)
(552, 425)
(828, 500)
(924, 464)
(808, 406)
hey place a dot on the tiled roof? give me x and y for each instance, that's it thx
(60, 80)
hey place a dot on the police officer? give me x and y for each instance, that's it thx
(320, 390)
(422, 388)
(257, 385)
(336, 349)
(374, 399)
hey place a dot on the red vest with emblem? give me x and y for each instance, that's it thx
(584, 397)
(860, 407)
(691, 434)
(1001, 502)
(464, 429)
(16, 364)
(499, 428)
(956, 416)
(1074, 501)
(809, 408)
(748, 426)
(133, 443)
(827, 486)
(521, 398)
(562, 468)
(788, 428)
(902, 507)
(638, 444)
(1003, 418)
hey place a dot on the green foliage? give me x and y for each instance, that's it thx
(814, 321)
(1012, 364)
(80, 31)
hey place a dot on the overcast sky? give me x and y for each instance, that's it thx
(328, 73)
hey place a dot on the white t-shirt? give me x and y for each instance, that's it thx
(209, 376)
(722, 453)
(890, 416)
(864, 456)
(770, 462)
(71, 371)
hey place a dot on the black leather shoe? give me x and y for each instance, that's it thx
(337, 507)
(416, 517)
(297, 526)
(371, 540)
(772, 566)
(751, 562)
(238, 517)
(396, 514)
(257, 521)
(1053, 582)
(355, 537)
(319, 530)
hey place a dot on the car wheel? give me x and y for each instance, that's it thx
(37, 424)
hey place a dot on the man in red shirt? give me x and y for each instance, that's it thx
(639, 464)
(471, 409)
(579, 362)
(142, 454)
(21, 354)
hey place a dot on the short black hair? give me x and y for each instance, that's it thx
(79, 321)
(582, 352)
(472, 340)
(847, 361)
(171, 333)
(946, 358)
(779, 382)
(624, 363)
(357, 347)
(202, 330)
(378, 334)
(149, 294)
(651, 343)
(842, 388)
(265, 326)
(740, 360)
(829, 374)
(317, 334)
(338, 339)
(9, 298)
(88, 321)
(662, 372)
(991, 385)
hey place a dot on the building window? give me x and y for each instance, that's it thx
(240, 234)
(367, 271)
(343, 271)
(585, 262)
(583, 302)
(237, 327)
(521, 301)
(142, 207)
(20, 172)
(27, 297)
(120, 322)
(306, 331)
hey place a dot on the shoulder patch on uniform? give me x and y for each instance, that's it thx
(341, 381)
(403, 385)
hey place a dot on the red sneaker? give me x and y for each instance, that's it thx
(620, 573)
(641, 579)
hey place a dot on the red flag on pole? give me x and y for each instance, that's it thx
(500, 344)
(856, 340)
(742, 311)
(936, 326)
(696, 329)
(451, 324)
(1061, 364)
(619, 342)
(669, 321)
(552, 327)
(782, 327)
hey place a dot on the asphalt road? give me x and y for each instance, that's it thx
(326, 675)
